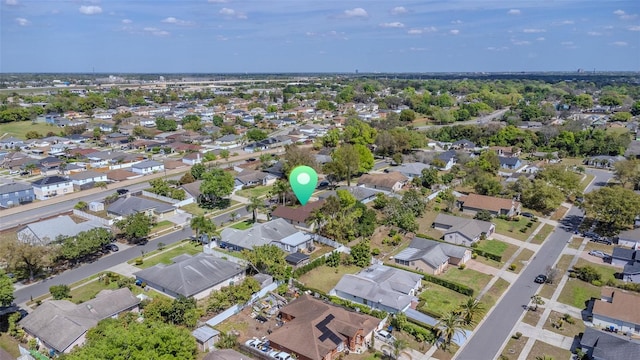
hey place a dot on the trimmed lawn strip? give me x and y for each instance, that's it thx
(567, 329)
(243, 225)
(577, 292)
(9, 344)
(497, 247)
(559, 213)
(514, 347)
(512, 228)
(532, 317)
(592, 245)
(586, 181)
(438, 299)
(576, 242)
(471, 278)
(254, 191)
(90, 290)
(491, 297)
(521, 260)
(540, 349)
(542, 234)
(162, 225)
(562, 265)
(166, 256)
(324, 278)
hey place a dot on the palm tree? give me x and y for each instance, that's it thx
(398, 346)
(448, 326)
(536, 300)
(30, 168)
(544, 357)
(318, 218)
(470, 309)
(254, 205)
(281, 188)
(202, 225)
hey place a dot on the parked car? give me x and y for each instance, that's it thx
(254, 343)
(528, 214)
(385, 336)
(597, 253)
(112, 247)
(122, 191)
(282, 356)
(541, 279)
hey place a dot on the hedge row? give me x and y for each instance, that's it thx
(310, 266)
(488, 255)
(418, 331)
(344, 303)
(459, 288)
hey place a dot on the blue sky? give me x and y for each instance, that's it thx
(219, 36)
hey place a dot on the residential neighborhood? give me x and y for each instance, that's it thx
(451, 219)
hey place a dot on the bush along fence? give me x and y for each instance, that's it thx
(459, 288)
(308, 267)
(364, 309)
(488, 255)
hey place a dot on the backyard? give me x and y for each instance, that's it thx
(577, 292)
(165, 256)
(324, 278)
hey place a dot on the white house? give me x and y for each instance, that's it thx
(192, 158)
(51, 186)
(147, 167)
(87, 177)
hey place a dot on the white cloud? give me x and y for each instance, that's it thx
(415, 32)
(619, 12)
(624, 16)
(493, 48)
(11, 2)
(594, 33)
(394, 24)
(567, 43)
(232, 13)
(541, 38)
(90, 9)
(455, 22)
(398, 10)
(619, 43)
(22, 21)
(567, 22)
(533, 31)
(221, 37)
(514, 12)
(520, 42)
(417, 49)
(454, 31)
(172, 20)
(156, 31)
(356, 12)
(427, 29)
(634, 28)
(127, 21)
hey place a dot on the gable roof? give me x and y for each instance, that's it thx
(192, 274)
(384, 180)
(298, 214)
(49, 180)
(490, 203)
(509, 161)
(84, 175)
(433, 253)
(625, 254)
(469, 228)
(318, 328)
(147, 164)
(609, 346)
(410, 168)
(193, 188)
(630, 234)
(133, 204)
(46, 231)
(259, 234)
(623, 306)
(14, 187)
(47, 320)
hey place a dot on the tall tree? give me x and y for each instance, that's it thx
(628, 172)
(615, 206)
(135, 226)
(448, 326)
(216, 184)
(295, 156)
(255, 204)
(536, 300)
(6, 289)
(201, 225)
(470, 310)
(399, 345)
(269, 259)
(346, 159)
(24, 259)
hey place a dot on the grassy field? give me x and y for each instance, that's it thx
(324, 278)
(254, 191)
(438, 299)
(577, 292)
(243, 225)
(512, 228)
(473, 279)
(493, 246)
(491, 297)
(514, 348)
(166, 256)
(520, 260)
(542, 234)
(540, 349)
(19, 129)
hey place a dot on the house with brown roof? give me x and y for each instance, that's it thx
(315, 330)
(617, 310)
(392, 182)
(297, 216)
(473, 203)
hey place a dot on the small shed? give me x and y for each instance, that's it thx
(297, 259)
(96, 206)
(206, 337)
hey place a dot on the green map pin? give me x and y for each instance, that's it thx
(303, 180)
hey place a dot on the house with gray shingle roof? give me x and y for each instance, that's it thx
(46, 231)
(132, 204)
(147, 167)
(60, 325)
(432, 257)
(193, 276)
(15, 193)
(600, 345)
(410, 170)
(462, 231)
(277, 232)
(380, 287)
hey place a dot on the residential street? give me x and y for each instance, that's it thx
(490, 335)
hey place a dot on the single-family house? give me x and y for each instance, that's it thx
(13, 194)
(473, 203)
(633, 150)
(432, 257)
(630, 238)
(51, 186)
(11, 142)
(297, 259)
(601, 345)
(228, 141)
(448, 158)
(391, 182)
(506, 151)
(380, 287)
(410, 170)
(147, 167)
(509, 162)
(121, 175)
(603, 161)
(623, 256)
(463, 144)
(617, 310)
(462, 231)
(60, 325)
(126, 206)
(87, 177)
(316, 330)
(192, 158)
(193, 276)
(45, 231)
(275, 232)
(206, 337)
(249, 178)
(297, 216)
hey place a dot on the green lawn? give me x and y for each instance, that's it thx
(324, 278)
(9, 344)
(493, 246)
(19, 129)
(511, 228)
(440, 300)
(523, 257)
(473, 279)
(166, 256)
(540, 349)
(491, 297)
(195, 210)
(607, 272)
(254, 191)
(577, 292)
(542, 234)
(162, 225)
(243, 225)
(90, 290)
(586, 181)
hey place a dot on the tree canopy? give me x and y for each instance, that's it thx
(615, 206)
(216, 184)
(6, 289)
(135, 226)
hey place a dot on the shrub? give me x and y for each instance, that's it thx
(529, 224)
(512, 267)
(517, 335)
(596, 282)
(375, 251)
(568, 319)
(474, 255)
(462, 266)
(588, 274)
(523, 230)
(139, 261)
(59, 292)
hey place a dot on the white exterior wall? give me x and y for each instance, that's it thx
(46, 192)
(623, 326)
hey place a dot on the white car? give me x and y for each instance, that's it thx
(282, 356)
(254, 343)
(385, 336)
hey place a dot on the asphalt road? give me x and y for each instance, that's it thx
(480, 120)
(487, 340)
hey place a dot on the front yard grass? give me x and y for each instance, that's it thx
(559, 213)
(541, 348)
(89, 290)
(436, 299)
(162, 225)
(471, 278)
(324, 278)
(491, 297)
(514, 348)
(576, 242)
(165, 257)
(511, 228)
(542, 234)
(577, 292)
(243, 225)
(607, 272)
(522, 259)
(566, 329)
(254, 191)
(532, 317)
(195, 209)
(588, 178)
(497, 247)
(562, 266)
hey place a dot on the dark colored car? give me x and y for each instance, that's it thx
(122, 191)
(528, 214)
(112, 247)
(541, 279)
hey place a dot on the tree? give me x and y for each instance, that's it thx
(216, 184)
(135, 226)
(202, 225)
(536, 300)
(256, 135)
(567, 181)
(227, 340)
(407, 115)
(333, 260)
(483, 215)
(198, 170)
(180, 311)
(544, 357)
(470, 309)
(81, 205)
(126, 338)
(539, 195)
(254, 205)
(429, 177)
(487, 185)
(448, 326)
(360, 254)
(635, 108)
(187, 178)
(628, 172)
(280, 189)
(84, 243)
(224, 153)
(24, 259)
(414, 201)
(346, 161)
(164, 124)
(269, 259)
(32, 135)
(614, 206)
(6, 289)
(192, 122)
(59, 292)
(295, 156)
